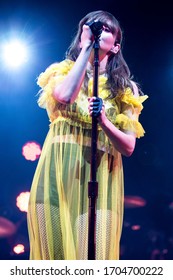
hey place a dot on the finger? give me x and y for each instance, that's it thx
(90, 113)
(91, 99)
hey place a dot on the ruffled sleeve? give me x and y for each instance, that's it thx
(131, 108)
(47, 80)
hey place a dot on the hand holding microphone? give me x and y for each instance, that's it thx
(95, 106)
(96, 27)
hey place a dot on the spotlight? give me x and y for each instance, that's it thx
(14, 53)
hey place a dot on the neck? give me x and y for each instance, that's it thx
(102, 66)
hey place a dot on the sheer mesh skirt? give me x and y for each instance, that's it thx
(58, 207)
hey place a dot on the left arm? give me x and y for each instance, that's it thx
(123, 141)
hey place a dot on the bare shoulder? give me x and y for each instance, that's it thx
(135, 88)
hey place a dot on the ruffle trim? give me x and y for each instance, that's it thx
(56, 73)
(61, 68)
(123, 122)
(72, 121)
(128, 98)
(47, 80)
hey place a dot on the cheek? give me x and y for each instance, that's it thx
(108, 39)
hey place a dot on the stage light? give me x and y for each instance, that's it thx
(14, 53)
(31, 151)
(22, 201)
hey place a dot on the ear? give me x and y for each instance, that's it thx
(115, 48)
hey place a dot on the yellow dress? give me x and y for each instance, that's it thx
(58, 206)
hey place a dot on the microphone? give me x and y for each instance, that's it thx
(96, 27)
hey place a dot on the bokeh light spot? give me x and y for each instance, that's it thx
(22, 201)
(31, 151)
(19, 249)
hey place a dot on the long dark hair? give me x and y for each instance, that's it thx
(117, 70)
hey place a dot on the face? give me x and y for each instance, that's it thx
(107, 40)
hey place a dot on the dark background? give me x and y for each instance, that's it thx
(48, 27)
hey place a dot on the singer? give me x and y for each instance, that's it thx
(58, 206)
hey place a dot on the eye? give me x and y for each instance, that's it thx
(106, 29)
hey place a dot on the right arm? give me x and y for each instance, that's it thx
(67, 91)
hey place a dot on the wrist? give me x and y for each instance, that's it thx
(87, 46)
(102, 119)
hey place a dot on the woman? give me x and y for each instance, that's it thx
(58, 207)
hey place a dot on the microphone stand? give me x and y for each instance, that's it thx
(93, 184)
